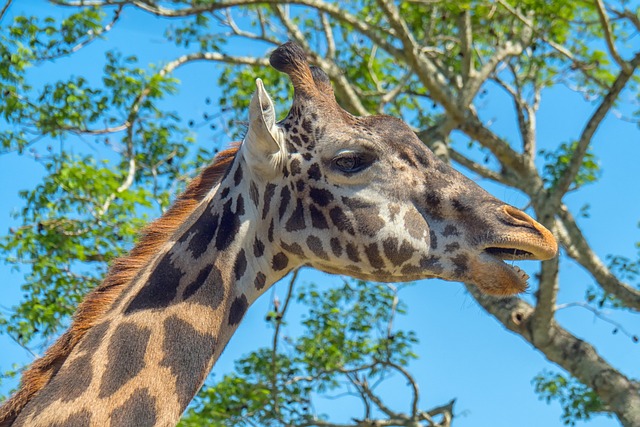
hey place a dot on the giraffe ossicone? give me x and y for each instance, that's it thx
(359, 196)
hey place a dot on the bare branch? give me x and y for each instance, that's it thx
(414, 386)
(378, 402)
(600, 315)
(5, 8)
(274, 345)
(577, 248)
(626, 13)
(474, 84)
(466, 41)
(526, 122)
(555, 46)
(229, 21)
(576, 356)
(292, 29)
(608, 36)
(23, 346)
(546, 295)
(333, 10)
(590, 129)
(92, 37)
(459, 158)
(396, 90)
(328, 34)
(429, 74)
(445, 410)
(500, 148)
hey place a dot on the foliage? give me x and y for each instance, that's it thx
(578, 402)
(558, 161)
(346, 338)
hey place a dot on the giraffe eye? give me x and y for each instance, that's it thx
(352, 161)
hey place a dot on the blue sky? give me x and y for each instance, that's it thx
(464, 353)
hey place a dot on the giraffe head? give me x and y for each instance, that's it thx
(363, 196)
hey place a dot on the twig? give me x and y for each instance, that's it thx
(328, 34)
(274, 346)
(590, 129)
(599, 315)
(578, 248)
(608, 36)
(92, 37)
(5, 8)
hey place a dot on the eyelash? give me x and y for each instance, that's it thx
(359, 161)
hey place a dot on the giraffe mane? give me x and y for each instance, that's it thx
(121, 272)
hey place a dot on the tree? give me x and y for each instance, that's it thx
(429, 62)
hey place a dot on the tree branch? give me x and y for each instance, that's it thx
(428, 72)
(466, 41)
(274, 345)
(576, 356)
(333, 10)
(608, 36)
(5, 8)
(577, 248)
(555, 46)
(597, 313)
(590, 129)
(546, 299)
(470, 90)
(328, 34)
(500, 148)
(464, 161)
(378, 402)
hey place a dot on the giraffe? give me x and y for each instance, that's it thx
(359, 196)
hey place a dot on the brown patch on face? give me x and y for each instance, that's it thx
(341, 221)
(451, 247)
(318, 220)
(279, 261)
(259, 281)
(285, 197)
(293, 248)
(461, 263)
(415, 224)
(296, 220)
(372, 252)
(432, 264)
(433, 239)
(336, 247)
(369, 222)
(352, 252)
(254, 194)
(315, 245)
(397, 253)
(238, 309)
(450, 230)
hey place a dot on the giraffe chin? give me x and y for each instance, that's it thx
(495, 277)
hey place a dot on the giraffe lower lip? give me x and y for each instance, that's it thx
(495, 277)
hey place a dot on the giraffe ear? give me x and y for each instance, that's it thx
(264, 140)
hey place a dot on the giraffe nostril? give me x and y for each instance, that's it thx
(523, 238)
(516, 217)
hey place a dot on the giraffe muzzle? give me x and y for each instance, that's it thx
(522, 238)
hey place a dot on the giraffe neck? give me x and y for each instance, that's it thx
(143, 363)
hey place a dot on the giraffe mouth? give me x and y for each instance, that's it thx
(509, 254)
